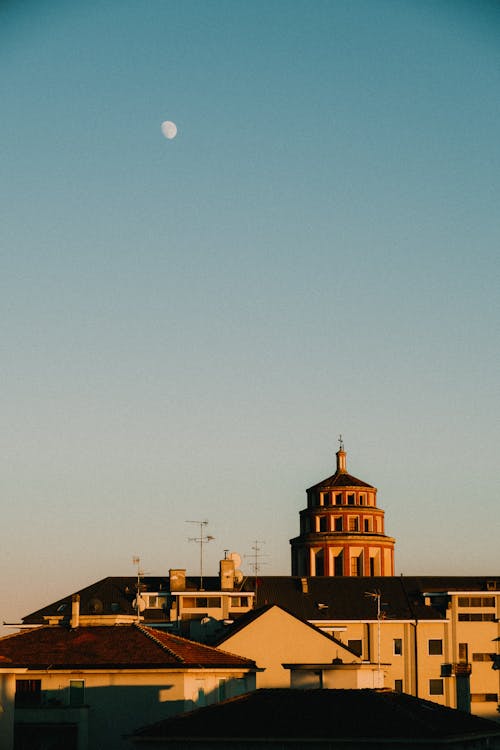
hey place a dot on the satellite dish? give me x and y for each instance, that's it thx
(238, 575)
(139, 604)
(236, 558)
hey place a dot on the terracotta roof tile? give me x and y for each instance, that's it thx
(110, 646)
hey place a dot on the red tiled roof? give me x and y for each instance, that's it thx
(110, 646)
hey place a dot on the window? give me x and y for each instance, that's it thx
(368, 524)
(338, 523)
(76, 692)
(476, 601)
(356, 646)
(222, 689)
(483, 657)
(484, 697)
(353, 522)
(200, 602)
(322, 526)
(350, 499)
(239, 601)
(356, 565)
(398, 686)
(319, 562)
(435, 647)
(338, 498)
(361, 499)
(476, 617)
(463, 653)
(325, 496)
(398, 646)
(338, 565)
(28, 693)
(436, 687)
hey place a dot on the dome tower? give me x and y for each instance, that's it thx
(342, 529)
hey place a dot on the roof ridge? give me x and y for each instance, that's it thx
(147, 632)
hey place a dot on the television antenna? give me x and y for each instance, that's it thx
(139, 604)
(201, 540)
(257, 556)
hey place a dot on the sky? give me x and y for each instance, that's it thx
(188, 325)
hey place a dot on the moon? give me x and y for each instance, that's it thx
(169, 129)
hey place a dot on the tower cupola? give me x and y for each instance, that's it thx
(342, 529)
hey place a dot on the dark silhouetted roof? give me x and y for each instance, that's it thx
(110, 646)
(345, 597)
(322, 714)
(341, 479)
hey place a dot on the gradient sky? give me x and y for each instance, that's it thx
(188, 325)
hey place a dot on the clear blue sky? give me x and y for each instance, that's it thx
(188, 325)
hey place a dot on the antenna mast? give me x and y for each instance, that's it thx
(257, 555)
(137, 561)
(202, 540)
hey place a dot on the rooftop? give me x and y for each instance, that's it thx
(116, 646)
(307, 714)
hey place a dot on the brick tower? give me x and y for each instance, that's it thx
(342, 530)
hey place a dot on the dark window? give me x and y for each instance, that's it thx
(323, 523)
(476, 617)
(356, 566)
(338, 565)
(435, 647)
(372, 566)
(338, 523)
(484, 697)
(368, 524)
(200, 602)
(483, 657)
(350, 499)
(361, 499)
(326, 498)
(28, 693)
(476, 601)
(338, 499)
(320, 563)
(356, 646)
(353, 523)
(398, 646)
(436, 687)
(76, 692)
(398, 686)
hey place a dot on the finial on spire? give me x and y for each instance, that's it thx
(341, 463)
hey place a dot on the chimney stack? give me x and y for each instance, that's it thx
(226, 572)
(75, 611)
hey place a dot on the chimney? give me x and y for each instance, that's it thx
(75, 611)
(226, 573)
(177, 579)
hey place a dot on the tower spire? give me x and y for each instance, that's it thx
(341, 456)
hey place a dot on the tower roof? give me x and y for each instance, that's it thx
(341, 478)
